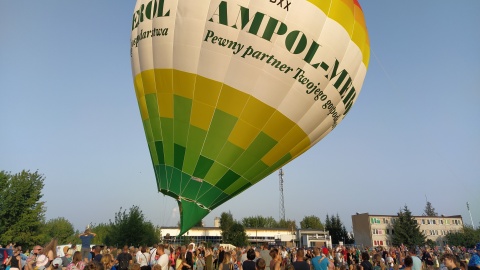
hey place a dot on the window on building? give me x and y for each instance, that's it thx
(388, 231)
(393, 232)
(423, 221)
(441, 221)
(434, 222)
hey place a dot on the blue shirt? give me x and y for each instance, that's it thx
(319, 263)
(86, 239)
(474, 260)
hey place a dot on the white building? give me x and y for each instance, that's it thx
(256, 236)
(377, 230)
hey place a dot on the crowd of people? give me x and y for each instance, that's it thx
(200, 257)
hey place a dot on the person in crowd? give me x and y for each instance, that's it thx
(226, 264)
(366, 265)
(144, 259)
(221, 256)
(108, 262)
(300, 263)
(50, 250)
(408, 263)
(124, 259)
(57, 264)
(135, 266)
(15, 261)
(428, 258)
(171, 257)
(417, 263)
(200, 261)
(249, 263)
(67, 257)
(474, 262)
(77, 262)
(181, 262)
(276, 261)
(320, 261)
(450, 261)
(97, 254)
(265, 254)
(189, 256)
(86, 238)
(133, 251)
(260, 264)
(208, 258)
(163, 260)
(378, 264)
(153, 253)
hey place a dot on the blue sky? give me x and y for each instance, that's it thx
(68, 110)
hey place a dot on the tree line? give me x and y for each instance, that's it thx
(22, 218)
(22, 221)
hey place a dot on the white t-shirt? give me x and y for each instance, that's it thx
(153, 253)
(138, 255)
(163, 261)
(143, 259)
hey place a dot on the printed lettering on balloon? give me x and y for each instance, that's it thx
(282, 3)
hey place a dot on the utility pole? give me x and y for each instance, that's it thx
(471, 219)
(282, 206)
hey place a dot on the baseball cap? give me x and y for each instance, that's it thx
(57, 262)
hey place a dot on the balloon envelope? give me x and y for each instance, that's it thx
(229, 91)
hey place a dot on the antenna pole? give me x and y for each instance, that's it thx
(282, 206)
(471, 219)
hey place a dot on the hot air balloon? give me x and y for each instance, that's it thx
(229, 91)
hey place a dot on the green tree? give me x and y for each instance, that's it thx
(21, 211)
(238, 236)
(259, 222)
(103, 233)
(429, 210)
(59, 228)
(467, 237)
(233, 231)
(131, 228)
(226, 223)
(407, 230)
(337, 230)
(289, 224)
(311, 222)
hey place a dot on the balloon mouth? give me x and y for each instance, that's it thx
(190, 213)
(180, 198)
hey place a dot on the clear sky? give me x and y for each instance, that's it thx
(68, 109)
